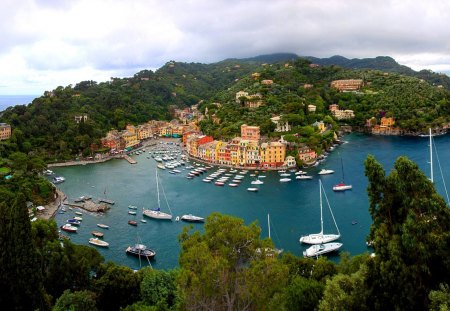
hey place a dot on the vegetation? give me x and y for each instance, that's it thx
(229, 266)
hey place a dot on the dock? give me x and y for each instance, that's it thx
(108, 201)
(129, 159)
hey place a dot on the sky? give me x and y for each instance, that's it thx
(49, 43)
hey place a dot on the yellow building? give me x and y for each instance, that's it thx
(272, 154)
(177, 131)
(165, 131)
(5, 131)
(144, 132)
(131, 139)
(252, 157)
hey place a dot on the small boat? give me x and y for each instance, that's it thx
(177, 218)
(73, 222)
(253, 189)
(69, 228)
(79, 213)
(325, 172)
(131, 212)
(257, 182)
(103, 226)
(320, 249)
(354, 222)
(192, 218)
(285, 174)
(58, 179)
(132, 222)
(233, 185)
(161, 166)
(300, 173)
(303, 177)
(219, 183)
(140, 250)
(132, 207)
(97, 234)
(98, 242)
(48, 172)
(206, 180)
(342, 187)
(78, 218)
(143, 220)
(285, 180)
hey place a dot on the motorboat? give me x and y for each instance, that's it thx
(325, 172)
(132, 222)
(58, 179)
(192, 218)
(341, 187)
(48, 172)
(98, 242)
(97, 234)
(132, 207)
(140, 250)
(257, 182)
(253, 189)
(78, 218)
(233, 185)
(73, 222)
(132, 212)
(285, 174)
(143, 220)
(300, 173)
(320, 249)
(69, 228)
(285, 180)
(219, 183)
(303, 177)
(103, 226)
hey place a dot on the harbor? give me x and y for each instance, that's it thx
(293, 206)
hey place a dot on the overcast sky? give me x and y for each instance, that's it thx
(47, 43)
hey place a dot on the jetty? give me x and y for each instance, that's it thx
(129, 159)
(107, 201)
(89, 206)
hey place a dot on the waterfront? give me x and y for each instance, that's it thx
(293, 206)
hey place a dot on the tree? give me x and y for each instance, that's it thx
(302, 294)
(76, 301)
(410, 234)
(159, 287)
(222, 269)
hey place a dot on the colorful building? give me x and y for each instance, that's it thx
(272, 154)
(307, 154)
(250, 132)
(5, 131)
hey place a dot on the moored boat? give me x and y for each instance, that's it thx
(97, 234)
(342, 187)
(73, 222)
(131, 212)
(140, 250)
(103, 226)
(285, 180)
(98, 242)
(132, 222)
(192, 218)
(303, 177)
(320, 249)
(325, 172)
(253, 189)
(69, 228)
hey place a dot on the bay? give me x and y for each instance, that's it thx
(293, 206)
(12, 100)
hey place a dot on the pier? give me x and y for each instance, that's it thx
(129, 159)
(108, 201)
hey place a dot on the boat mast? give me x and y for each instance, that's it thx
(331, 212)
(157, 188)
(268, 224)
(342, 167)
(431, 156)
(321, 213)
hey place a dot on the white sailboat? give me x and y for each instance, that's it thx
(342, 186)
(320, 238)
(156, 213)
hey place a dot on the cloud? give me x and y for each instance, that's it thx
(54, 40)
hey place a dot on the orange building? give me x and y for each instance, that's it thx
(272, 154)
(250, 132)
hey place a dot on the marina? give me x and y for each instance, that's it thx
(293, 206)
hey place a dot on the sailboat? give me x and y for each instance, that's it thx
(439, 164)
(342, 186)
(156, 213)
(320, 238)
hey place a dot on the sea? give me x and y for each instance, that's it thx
(12, 100)
(293, 207)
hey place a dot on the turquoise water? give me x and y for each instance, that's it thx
(293, 207)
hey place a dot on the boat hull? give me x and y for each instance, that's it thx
(320, 249)
(157, 215)
(191, 218)
(319, 238)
